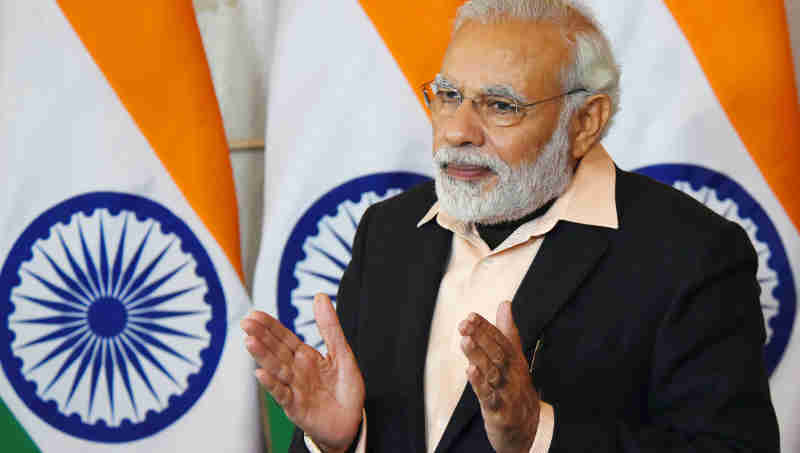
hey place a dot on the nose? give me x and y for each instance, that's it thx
(464, 127)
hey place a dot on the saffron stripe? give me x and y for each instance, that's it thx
(744, 50)
(416, 33)
(169, 96)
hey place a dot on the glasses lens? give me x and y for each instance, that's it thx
(500, 111)
(494, 110)
(441, 101)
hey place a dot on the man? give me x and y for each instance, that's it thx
(626, 315)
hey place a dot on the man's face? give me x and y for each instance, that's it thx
(513, 57)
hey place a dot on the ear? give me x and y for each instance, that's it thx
(589, 124)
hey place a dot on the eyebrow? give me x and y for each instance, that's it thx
(444, 82)
(504, 91)
(500, 90)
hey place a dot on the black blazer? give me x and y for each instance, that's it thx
(651, 334)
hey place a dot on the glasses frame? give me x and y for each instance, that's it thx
(520, 108)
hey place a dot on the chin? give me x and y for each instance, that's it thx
(471, 201)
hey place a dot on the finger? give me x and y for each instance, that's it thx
(252, 327)
(268, 361)
(277, 347)
(488, 397)
(258, 324)
(488, 338)
(279, 391)
(329, 326)
(506, 325)
(278, 331)
(255, 347)
(258, 317)
(477, 357)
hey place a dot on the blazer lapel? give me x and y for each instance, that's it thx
(423, 288)
(467, 408)
(568, 254)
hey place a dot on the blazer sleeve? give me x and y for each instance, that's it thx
(348, 300)
(708, 388)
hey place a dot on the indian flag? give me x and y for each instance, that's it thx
(709, 106)
(120, 286)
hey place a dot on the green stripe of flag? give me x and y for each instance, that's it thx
(281, 429)
(14, 438)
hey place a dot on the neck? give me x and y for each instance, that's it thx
(495, 233)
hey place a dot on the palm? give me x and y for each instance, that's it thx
(335, 396)
(324, 396)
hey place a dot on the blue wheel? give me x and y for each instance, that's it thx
(113, 317)
(319, 248)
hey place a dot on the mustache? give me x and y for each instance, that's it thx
(467, 155)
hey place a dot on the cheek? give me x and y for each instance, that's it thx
(438, 137)
(516, 148)
(524, 142)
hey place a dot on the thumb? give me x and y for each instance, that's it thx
(505, 323)
(329, 326)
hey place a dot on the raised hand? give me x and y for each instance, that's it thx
(324, 396)
(500, 378)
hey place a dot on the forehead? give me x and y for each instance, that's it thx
(525, 56)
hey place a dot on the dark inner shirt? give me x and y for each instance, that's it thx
(495, 234)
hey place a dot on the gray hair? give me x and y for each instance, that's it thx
(593, 65)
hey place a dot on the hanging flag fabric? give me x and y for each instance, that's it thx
(345, 129)
(709, 106)
(120, 288)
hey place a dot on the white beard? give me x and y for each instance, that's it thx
(518, 192)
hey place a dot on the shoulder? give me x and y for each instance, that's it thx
(404, 210)
(674, 223)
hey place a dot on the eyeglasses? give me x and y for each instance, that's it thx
(494, 110)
